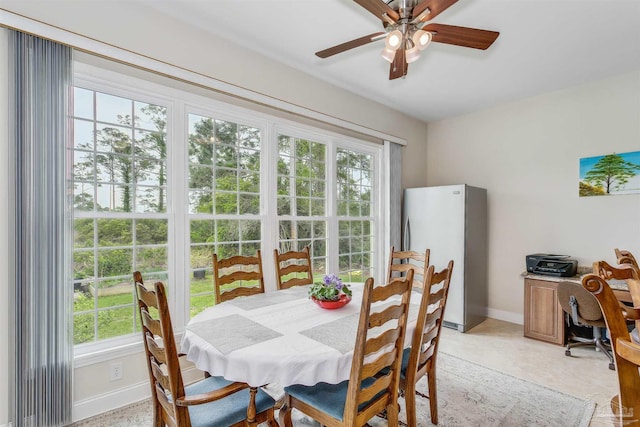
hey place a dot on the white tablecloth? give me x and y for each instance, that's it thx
(278, 337)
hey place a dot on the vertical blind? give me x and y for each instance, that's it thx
(41, 79)
(393, 185)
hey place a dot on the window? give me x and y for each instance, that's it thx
(356, 224)
(302, 198)
(224, 198)
(120, 203)
(163, 178)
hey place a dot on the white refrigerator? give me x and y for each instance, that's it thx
(451, 221)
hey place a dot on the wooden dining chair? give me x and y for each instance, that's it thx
(631, 277)
(237, 276)
(420, 359)
(626, 405)
(293, 268)
(624, 271)
(402, 261)
(212, 401)
(626, 257)
(378, 346)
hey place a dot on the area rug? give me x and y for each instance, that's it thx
(473, 395)
(469, 395)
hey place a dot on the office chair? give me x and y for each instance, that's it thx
(584, 310)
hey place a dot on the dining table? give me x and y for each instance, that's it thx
(280, 337)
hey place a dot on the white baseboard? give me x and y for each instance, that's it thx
(507, 316)
(106, 402)
(96, 405)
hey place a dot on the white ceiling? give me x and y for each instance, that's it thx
(543, 46)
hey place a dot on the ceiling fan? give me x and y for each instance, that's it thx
(407, 31)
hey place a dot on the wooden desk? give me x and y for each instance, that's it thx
(543, 315)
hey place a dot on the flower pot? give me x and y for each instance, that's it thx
(331, 305)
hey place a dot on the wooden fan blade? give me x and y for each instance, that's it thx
(435, 6)
(379, 9)
(348, 45)
(399, 67)
(462, 36)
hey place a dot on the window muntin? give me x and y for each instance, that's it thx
(301, 177)
(224, 167)
(224, 194)
(302, 198)
(119, 178)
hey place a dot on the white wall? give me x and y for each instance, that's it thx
(527, 156)
(143, 31)
(4, 236)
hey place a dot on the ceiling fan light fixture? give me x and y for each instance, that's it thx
(393, 40)
(409, 29)
(421, 39)
(388, 55)
(412, 54)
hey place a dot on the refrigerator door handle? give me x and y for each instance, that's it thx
(407, 234)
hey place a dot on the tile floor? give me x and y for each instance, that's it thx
(502, 346)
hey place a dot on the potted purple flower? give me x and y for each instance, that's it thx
(331, 292)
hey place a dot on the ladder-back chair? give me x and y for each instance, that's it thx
(420, 359)
(293, 268)
(211, 402)
(402, 261)
(626, 405)
(378, 347)
(630, 275)
(626, 257)
(237, 276)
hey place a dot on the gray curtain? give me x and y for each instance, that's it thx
(40, 93)
(393, 186)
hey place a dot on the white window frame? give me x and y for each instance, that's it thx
(99, 80)
(179, 104)
(377, 204)
(291, 130)
(209, 108)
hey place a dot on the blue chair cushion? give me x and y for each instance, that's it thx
(403, 367)
(405, 363)
(226, 411)
(328, 398)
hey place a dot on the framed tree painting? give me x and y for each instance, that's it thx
(610, 174)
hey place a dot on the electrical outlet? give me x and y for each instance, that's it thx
(115, 371)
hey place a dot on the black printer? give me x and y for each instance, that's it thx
(552, 265)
